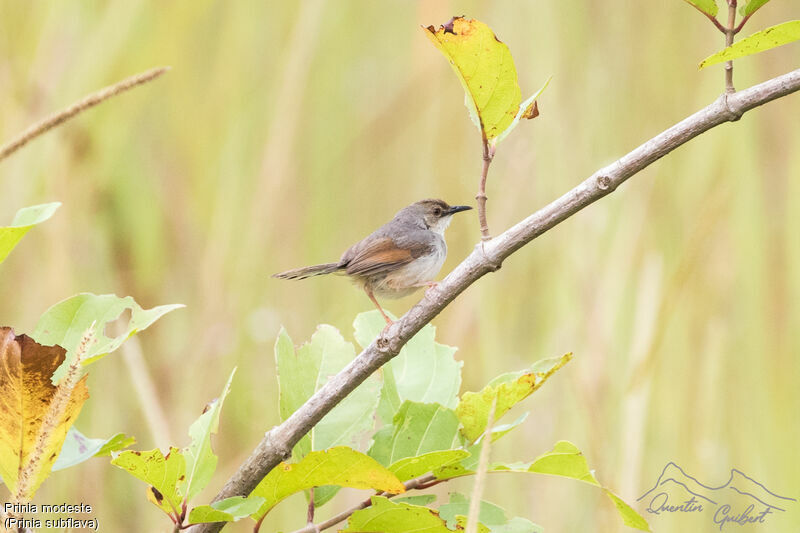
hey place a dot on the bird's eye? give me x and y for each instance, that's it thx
(437, 211)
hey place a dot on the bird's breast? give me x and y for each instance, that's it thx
(414, 275)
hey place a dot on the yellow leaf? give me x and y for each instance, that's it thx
(486, 70)
(26, 395)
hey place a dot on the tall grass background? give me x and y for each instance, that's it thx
(286, 131)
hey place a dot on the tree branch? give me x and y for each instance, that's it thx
(85, 103)
(486, 257)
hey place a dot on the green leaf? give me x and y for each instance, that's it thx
(526, 110)
(303, 371)
(390, 517)
(751, 7)
(78, 448)
(162, 473)
(227, 510)
(411, 467)
(424, 371)
(418, 428)
(708, 7)
(484, 67)
(24, 220)
(566, 460)
(489, 514)
(419, 499)
(200, 459)
(758, 42)
(66, 322)
(473, 409)
(340, 466)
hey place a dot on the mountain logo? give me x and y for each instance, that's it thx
(741, 500)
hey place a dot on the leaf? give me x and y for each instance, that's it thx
(473, 409)
(303, 371)
(118, 442)
(340, 466)
(758, 42)
(527, 110)
(24, 220)
(162, 473)
(66, 322)
(418, 428)
(485, 68)
(411, 467)
(419, 499)
(79, 448)
(227, 510)
(424, 371)
(490, 515)
(709, 7)
(200, 459)
(566, 460)
(751, 7)
(390, 517)
(27, 394)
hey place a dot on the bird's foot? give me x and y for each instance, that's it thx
(432, 286)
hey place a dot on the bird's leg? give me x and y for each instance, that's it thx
(372, 297)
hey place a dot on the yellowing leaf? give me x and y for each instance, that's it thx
(24, 220)
(162, 472)
(758, 42)
(473, 408)
(341, 466)
(485, 68)
(26, 395)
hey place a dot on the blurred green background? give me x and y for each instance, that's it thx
(286, 131)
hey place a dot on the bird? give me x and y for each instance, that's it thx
(400, 257)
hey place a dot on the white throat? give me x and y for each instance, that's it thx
(441, 225)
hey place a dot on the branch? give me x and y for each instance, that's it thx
(730, 31)
(488, 155)
(422, 482)
(487, 257)
(85, 103)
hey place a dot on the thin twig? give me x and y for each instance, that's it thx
(488, 155)
(78, 107)
(419, 483)
(310, 513)
(730, 31)
(742, 23)
(483, 466)
(713, 19)
(277, 444)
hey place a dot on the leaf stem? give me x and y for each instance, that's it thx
(730, 31)
(488, 155)
(742, 23)
(310, 513)
(480, 475)
(717, 23)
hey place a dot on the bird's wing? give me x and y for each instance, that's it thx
(382, 256)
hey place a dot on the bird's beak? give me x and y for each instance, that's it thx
(458, 208)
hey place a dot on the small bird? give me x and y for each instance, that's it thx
(398, 258)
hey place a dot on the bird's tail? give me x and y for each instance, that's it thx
(307, 272)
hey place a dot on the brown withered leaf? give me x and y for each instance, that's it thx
(26, 394)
